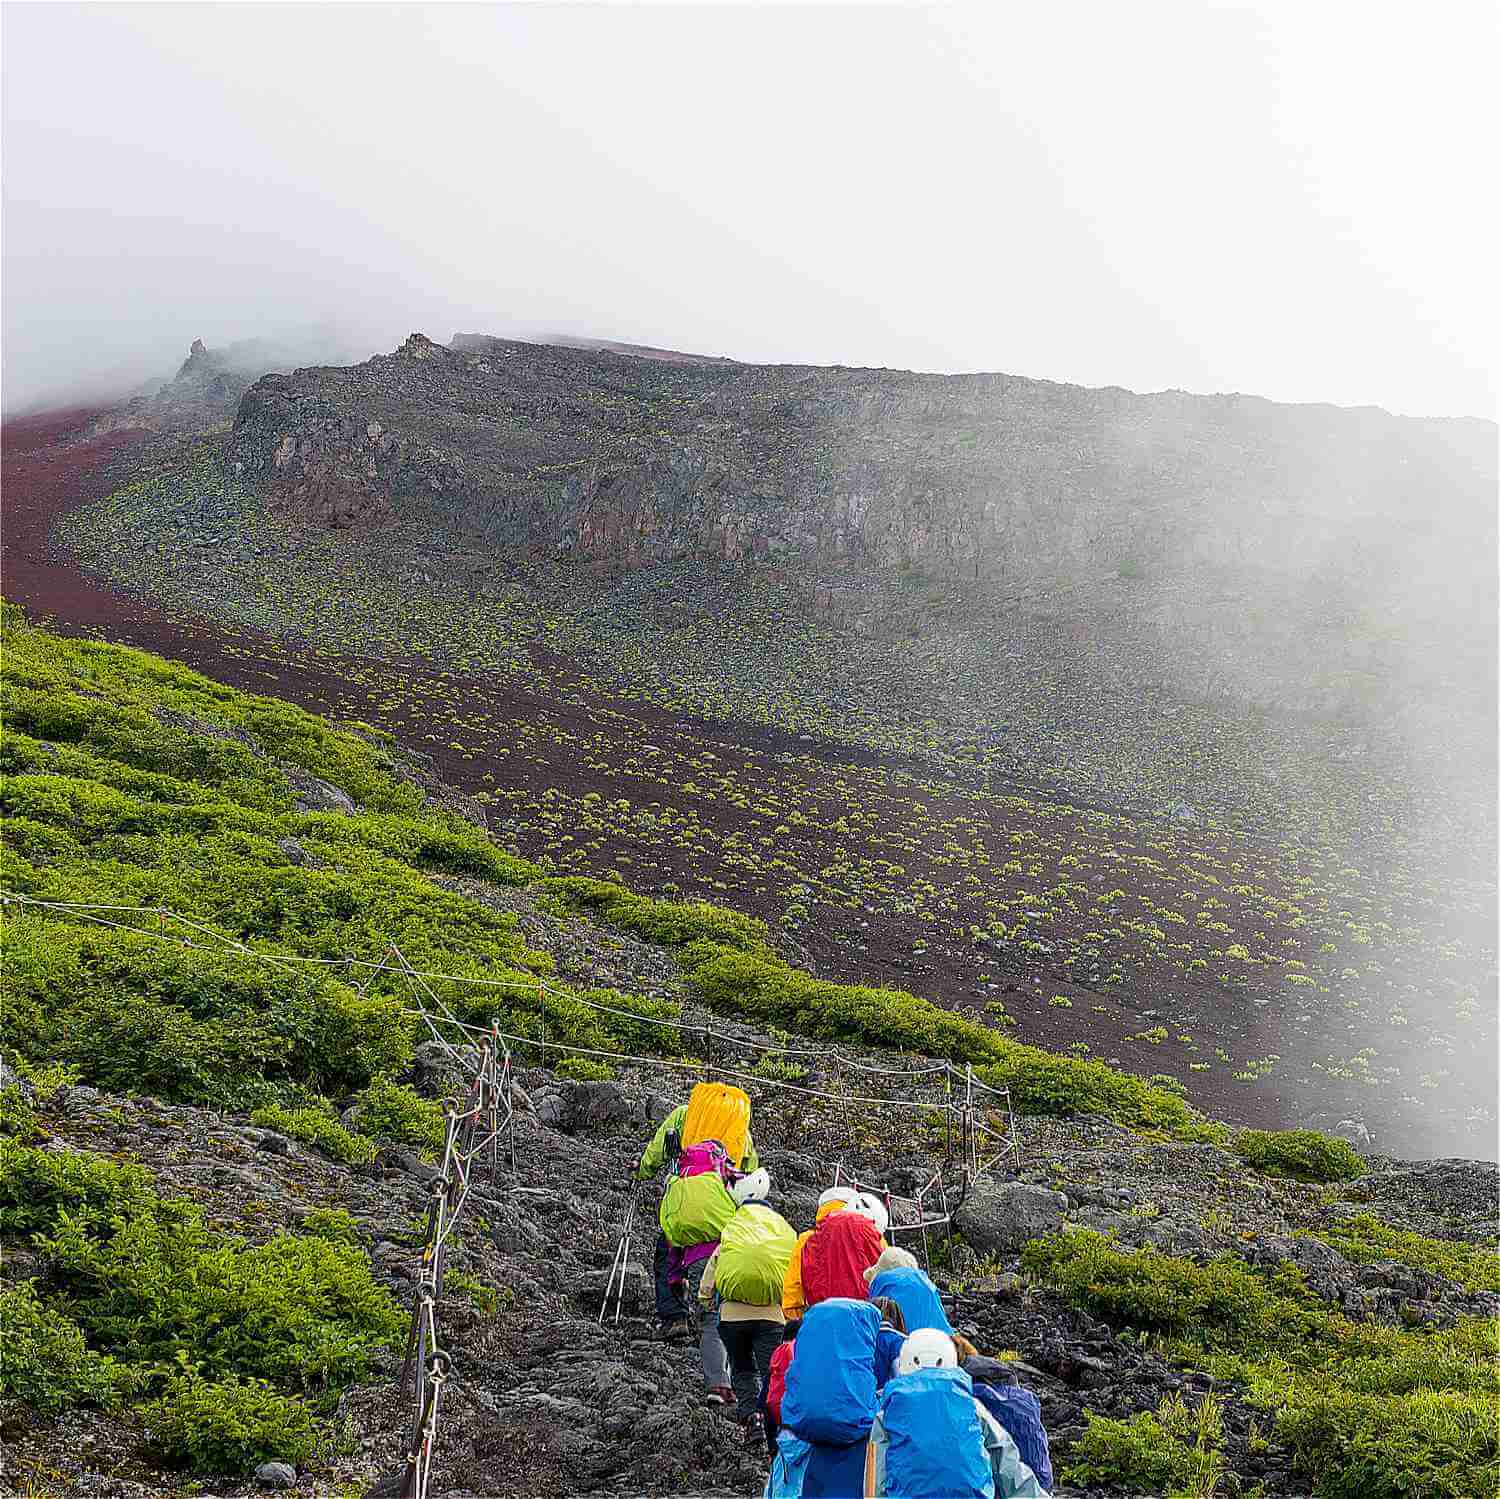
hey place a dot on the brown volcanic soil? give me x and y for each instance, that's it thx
(527, 740)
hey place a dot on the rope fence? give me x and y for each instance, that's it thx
(483, 1120)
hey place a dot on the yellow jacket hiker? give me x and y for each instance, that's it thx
(654, 1157)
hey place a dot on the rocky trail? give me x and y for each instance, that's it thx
(543, 1399)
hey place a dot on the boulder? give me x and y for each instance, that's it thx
(315, 795)
(592, 1107)
(276, 1476)
(1002, 1217)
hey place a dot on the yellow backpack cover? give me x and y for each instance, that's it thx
(717, 1111)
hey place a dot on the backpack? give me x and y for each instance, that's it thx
(830, 1386)
(754, 1251)
(1020, 1413)
(695, 1209)
(813, 1470)
(934, 1438)
(703, 1156)
(835, 1259)
(915, 1294)
(717, 1111)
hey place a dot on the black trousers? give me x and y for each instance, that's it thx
(750, 1346)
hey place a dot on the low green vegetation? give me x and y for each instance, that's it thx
(131, 782)
(734, 971)
(1175, 1451)
(1367, 1410)
(394, 1112)
(239, 1345)
(1365, 1239)
(45, 1359)
(228, 1425)
(158, 790)
(1304, 1154)
(317, 1126)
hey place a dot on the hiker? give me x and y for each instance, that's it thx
(694, 1211)
(897, 1275)
(888, 1340)
(746, 1273)
(842, 1247)
(793, 1304)
(1016, 1409)
(728, 1110)
(776, 1383)
(828, 1405)
(932, 1438)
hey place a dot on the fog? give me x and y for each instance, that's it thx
(1281, 199)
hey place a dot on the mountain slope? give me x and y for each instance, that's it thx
(281, 1111)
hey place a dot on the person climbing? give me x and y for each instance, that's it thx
(1016, 1409)
(842, 1247)
(694, 1211)
(829, 1403)
(793, 1303)
(932, 1438)
(888, 1340)
(776, 1385)
(746, 1273)
(781, 1361)
(720, 1111)
(897, 1275)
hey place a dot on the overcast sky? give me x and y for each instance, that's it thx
(1294, 199)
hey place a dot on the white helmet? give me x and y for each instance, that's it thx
(867, 1205)
(927, 1348)
(752, 1186)
(835, 1194)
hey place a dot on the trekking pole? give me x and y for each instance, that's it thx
(620, 1264)
(625, 1257)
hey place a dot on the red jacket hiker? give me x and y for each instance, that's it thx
(781, 1361)
(835, 1259)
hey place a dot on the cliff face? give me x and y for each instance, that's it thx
(965, 477)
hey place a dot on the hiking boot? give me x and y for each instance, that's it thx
(755, 1429)
(675, 1331)
(721, 1394)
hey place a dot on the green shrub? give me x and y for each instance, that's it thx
(1439, 1444)
(1368, 1410)
(1365, 1239)
(145, 1273)
(1304, 1154)
(133, 1014)
(393, 1111)
(17, 1118)
(228, 1425)
(36, 1186)
(671, 923)
(337, 1225)
(1176, 1450)
(44, 1359)
(1223, 1304)
(584, 1070)
(317, 1127)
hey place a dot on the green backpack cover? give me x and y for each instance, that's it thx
(755, 1248)
(695, 1210)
